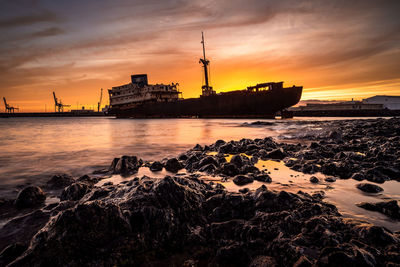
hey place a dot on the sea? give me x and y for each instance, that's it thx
(33, 149)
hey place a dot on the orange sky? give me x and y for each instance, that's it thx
(335, 49)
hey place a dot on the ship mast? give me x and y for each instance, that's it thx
(206, 89)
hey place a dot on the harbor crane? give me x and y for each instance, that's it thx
(9, 109)
(58, 105)
(206, 89)
(99, 103)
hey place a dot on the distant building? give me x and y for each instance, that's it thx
(350, 105)
(388, 102)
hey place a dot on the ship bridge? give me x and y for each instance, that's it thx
(266, 86)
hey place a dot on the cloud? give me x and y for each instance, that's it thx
(30, 19)
(48, 32)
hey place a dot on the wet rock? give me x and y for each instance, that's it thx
(369, 188)
(208, 160)
(244, 190)
(74, 192)
(335, 135)
(263, 261)
(11, 252)
(314, 145)
(219, 143)
(173, 165)
(358, 176)
(209, 168)
(232, 255)
(242, 179)
(330, 179)
(21, 229)
(389, 208)
(249, 169)
(277, 154)
(29, 197)
(377, 235)
(88, 180)
(197, 147)
(126, 165)
(227, 148)
(183, 157)
(314, 180)
(229, 169)
(60, 181)
(303, 261)
(263, 177)
(237, 160)
(134, 223)
(156, 166)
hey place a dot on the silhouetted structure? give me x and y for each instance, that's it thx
(206, 89)
(58, 105)
(141, 100)
(9, 109)
(99, 103)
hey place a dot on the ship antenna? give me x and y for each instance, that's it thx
(204, 49)
(206, 89)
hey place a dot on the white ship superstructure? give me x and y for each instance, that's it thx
(139, 91)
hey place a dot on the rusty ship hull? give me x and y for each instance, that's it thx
(234, 104)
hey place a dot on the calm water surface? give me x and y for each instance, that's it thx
(33, 149)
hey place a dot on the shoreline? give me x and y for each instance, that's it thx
(205, 223)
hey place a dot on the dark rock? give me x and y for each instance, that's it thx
(314, 145)
(60, 181)
(265, 123)
(244, 190)
(263, 261)
(173, 165)
(242, 179)
(237, 160)
(277, 154)
(229, 169)
(263, 177)
(21, 229)
(156, 166)
(197, 147)
(226, 148)
(88, 180)
(183, 157)
(330, 179)
(369, 188)
(11, 252)
(314, 180)
(208, 160)
(219, 143)
(335, 135)
(389, 208)
(376, 235)
(29, 197)
(358, 176)
(303, 261)
(126, 165)
(209, 168)
(249, 169)
(74, 192)
(232, 255)
(146, 222)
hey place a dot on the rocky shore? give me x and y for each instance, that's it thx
(182, 220)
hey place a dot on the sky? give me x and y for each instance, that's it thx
(334, 49)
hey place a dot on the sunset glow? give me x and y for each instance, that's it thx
(335, 49)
